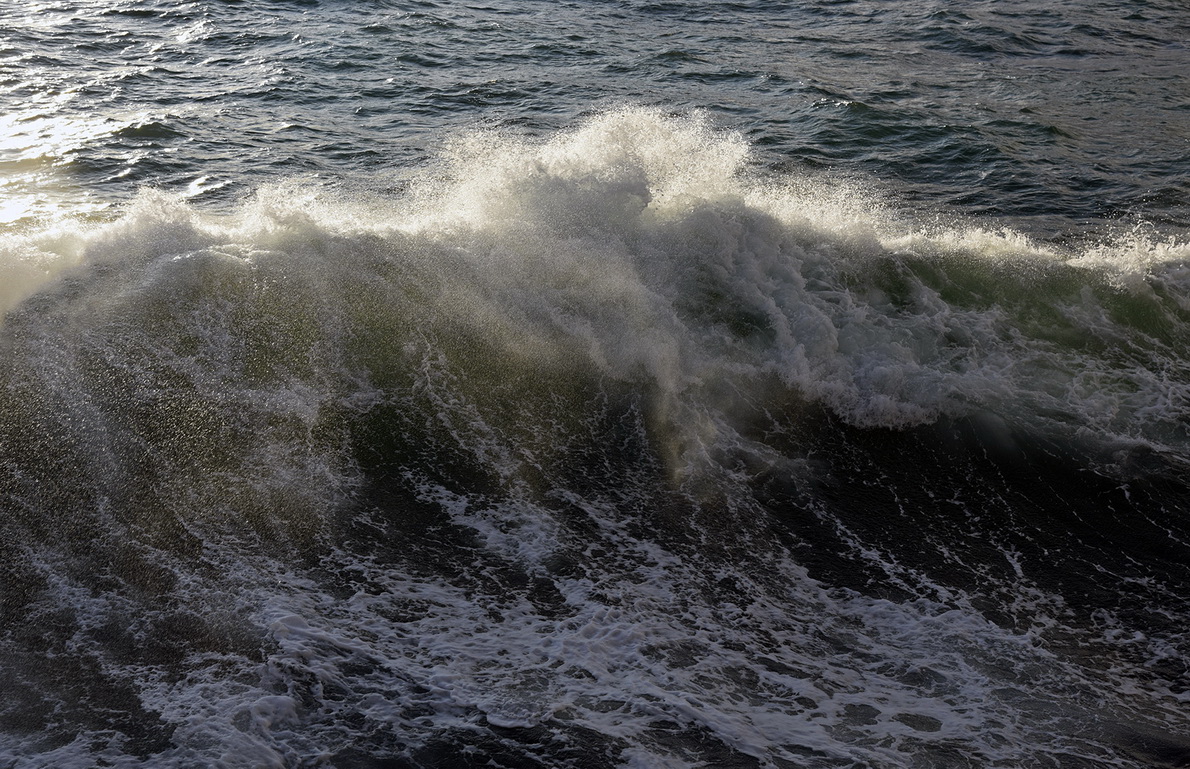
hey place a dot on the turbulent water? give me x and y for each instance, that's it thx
(595, 384)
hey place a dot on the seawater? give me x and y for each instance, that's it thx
(610, 384)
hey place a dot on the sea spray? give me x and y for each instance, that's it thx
(598, 450)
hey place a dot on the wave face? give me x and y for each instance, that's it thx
(594, 451)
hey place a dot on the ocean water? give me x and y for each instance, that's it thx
(595, 384)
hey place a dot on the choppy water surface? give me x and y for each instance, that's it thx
(1073, 111)
(609, 384)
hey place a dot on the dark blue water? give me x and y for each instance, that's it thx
(606, 384)
(1050, 118)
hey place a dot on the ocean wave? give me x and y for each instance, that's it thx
(602, 450)
(645, 248)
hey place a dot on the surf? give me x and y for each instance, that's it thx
(608, 442)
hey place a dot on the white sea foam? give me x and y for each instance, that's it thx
(230, 354)
(641, 244)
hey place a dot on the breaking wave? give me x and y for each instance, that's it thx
(571, 450)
